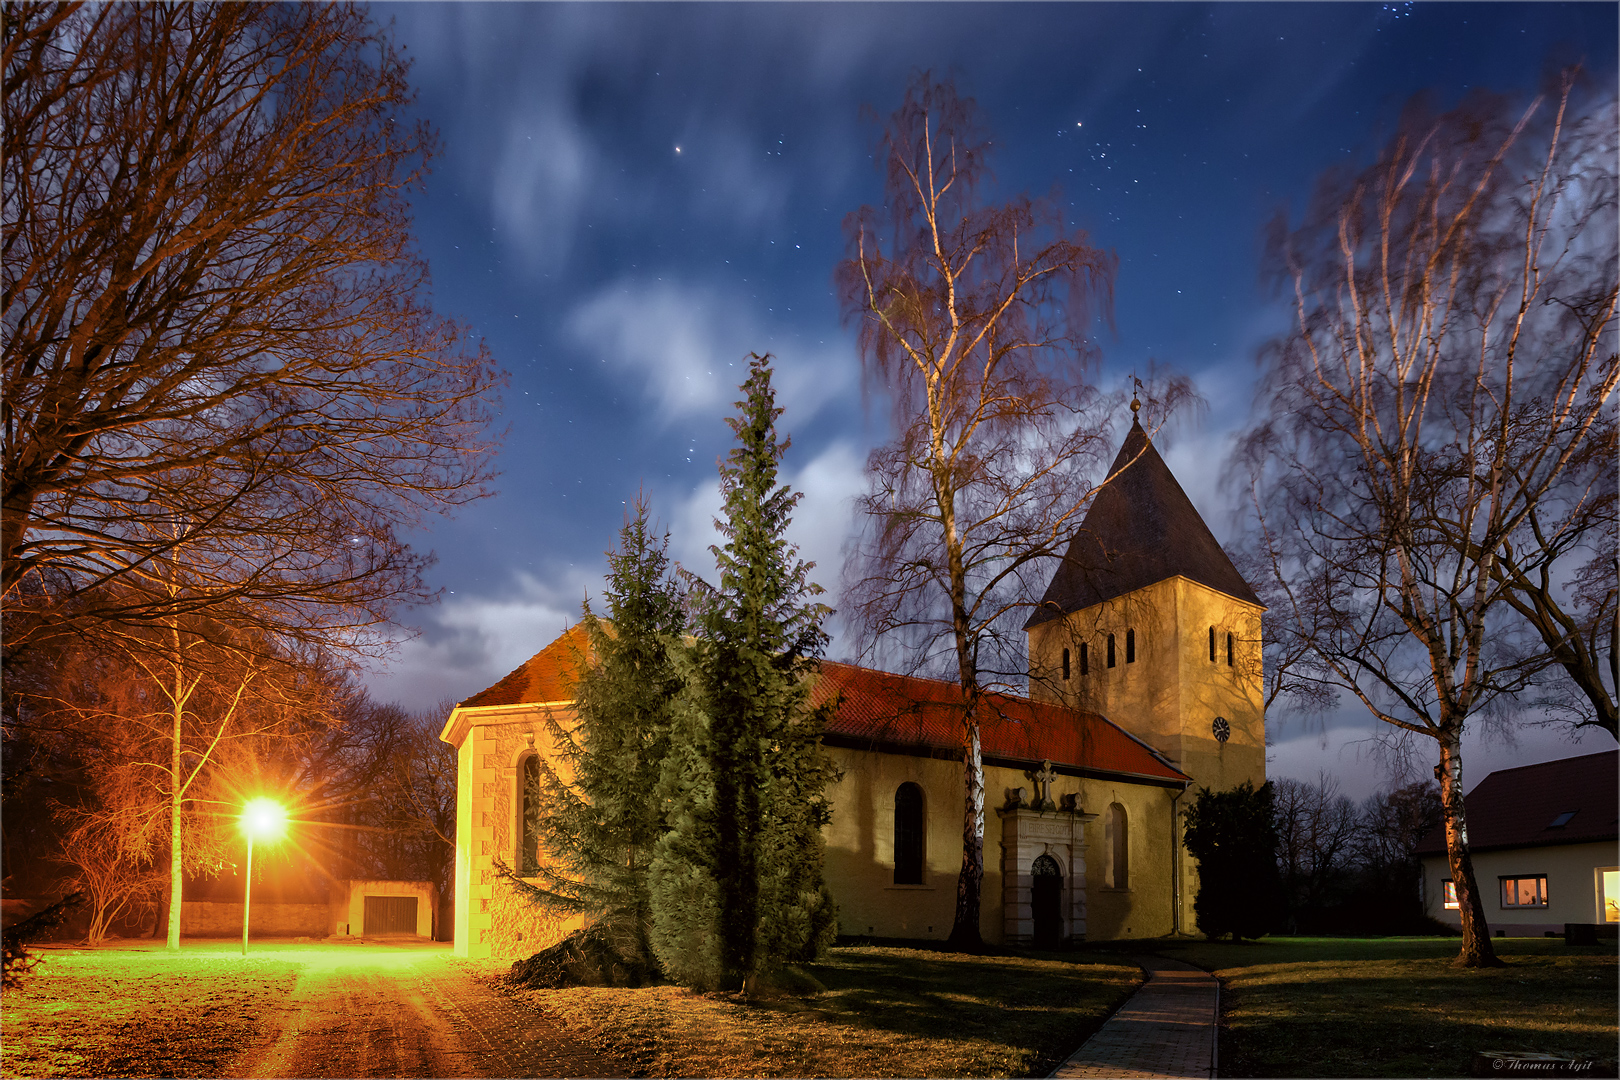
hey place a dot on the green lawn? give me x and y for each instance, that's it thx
(1397, 1006)
(880, 1012)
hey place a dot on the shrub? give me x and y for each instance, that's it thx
(1231, 834)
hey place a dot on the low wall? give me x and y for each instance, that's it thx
(208, 918)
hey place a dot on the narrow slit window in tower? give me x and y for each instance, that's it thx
(1212, 644)
(1065, 665)
(1085, 660)
(1228, 650)
(1110, 650)
(1130, 646)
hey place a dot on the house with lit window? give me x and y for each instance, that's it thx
(1144, 681)
(1545, 841)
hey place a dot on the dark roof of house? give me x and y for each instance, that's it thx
(548, 675)
(906, 713)
(1141, 529)
(1513, 808)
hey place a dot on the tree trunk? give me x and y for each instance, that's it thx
(965, 930)
(1476, 933)
(175, 792)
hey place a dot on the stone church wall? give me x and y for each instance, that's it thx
(491, 918)
(860, 851)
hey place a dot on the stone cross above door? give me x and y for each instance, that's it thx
(1043, 778)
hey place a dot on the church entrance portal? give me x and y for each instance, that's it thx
(1046, 902)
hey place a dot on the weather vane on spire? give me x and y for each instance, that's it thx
(1136, 405)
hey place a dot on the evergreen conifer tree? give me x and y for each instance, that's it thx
(598, 816)
(1233, 836)
(737, 883)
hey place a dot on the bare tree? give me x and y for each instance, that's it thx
(114, 877)
(421, 797)
(375, 790)
(217, 352)
(1451, 363)
(1317, 828)
(1287, 673)
(1573, 618)
(974, 322)
(1392, 824)
(162, 708)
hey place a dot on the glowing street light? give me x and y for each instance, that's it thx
(262, 819)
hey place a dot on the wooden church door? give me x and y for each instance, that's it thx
(1046, 902)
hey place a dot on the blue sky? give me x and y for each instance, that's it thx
(630, 198)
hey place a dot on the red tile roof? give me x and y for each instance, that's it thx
(548, 675)
(1514, 808)
(897, 712)
(905, 712)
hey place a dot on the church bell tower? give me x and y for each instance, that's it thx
(1148, 623)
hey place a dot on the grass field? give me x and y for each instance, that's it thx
(141, 1011)
(883, 1012)
(1382, 1007)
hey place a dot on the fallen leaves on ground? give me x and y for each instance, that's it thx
(884, 1012)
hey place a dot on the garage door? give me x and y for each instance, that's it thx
(390, 915)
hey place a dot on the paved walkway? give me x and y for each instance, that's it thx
(1166, 1029)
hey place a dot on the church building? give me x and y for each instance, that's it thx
(1144, 684)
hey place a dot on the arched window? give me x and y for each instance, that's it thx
(1228, 650)
(908, 835)
(1116, 849)
(1130, 646)
(1065, 665)
(1212, 644)
(1085, 661)
(1110, 650)
(529, 822)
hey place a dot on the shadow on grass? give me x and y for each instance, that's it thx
(1399, 1007)
(1048, 1003)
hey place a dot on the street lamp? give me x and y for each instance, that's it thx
(263, 819)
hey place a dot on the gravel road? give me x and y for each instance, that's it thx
(367, 1011)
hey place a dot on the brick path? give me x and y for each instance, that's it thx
(503, 1038)
(1166, 1029)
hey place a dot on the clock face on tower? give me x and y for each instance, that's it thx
(1223, 730)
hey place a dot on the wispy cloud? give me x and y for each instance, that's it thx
(470, 641)
(541, 177)
(685, 346)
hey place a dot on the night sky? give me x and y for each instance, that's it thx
(630, 199)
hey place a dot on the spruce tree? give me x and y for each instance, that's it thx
(737, 883)
(598, 826)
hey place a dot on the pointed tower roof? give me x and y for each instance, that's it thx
(1141, 529)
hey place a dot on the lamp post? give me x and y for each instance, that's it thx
(264, 818)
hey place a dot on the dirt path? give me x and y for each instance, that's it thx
(354, 1014)
(287, 1010)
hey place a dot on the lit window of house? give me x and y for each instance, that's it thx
(1450, 897)
(1523, 892)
